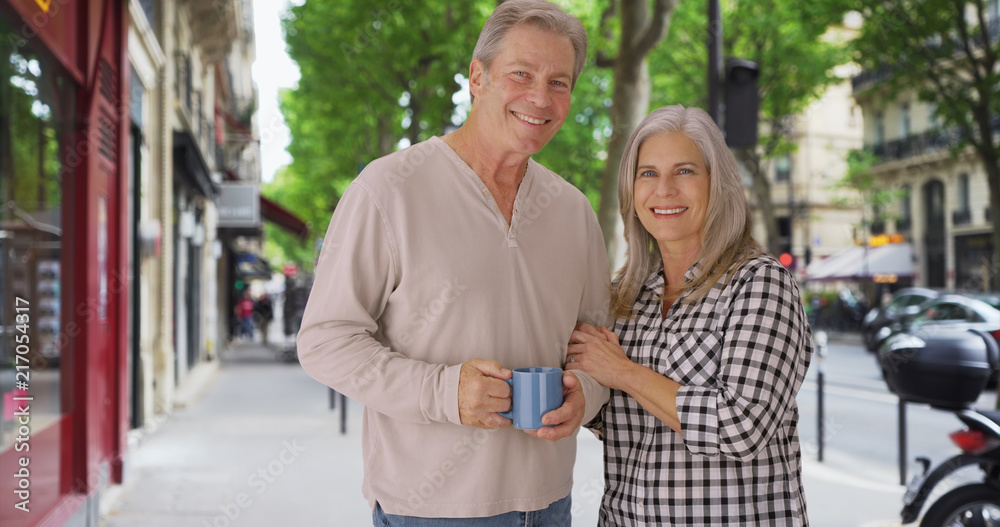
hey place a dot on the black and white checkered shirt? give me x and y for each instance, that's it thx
(740, 356)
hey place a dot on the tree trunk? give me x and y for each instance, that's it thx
(417, 112)
(6, 140)
(990, 159)
(631, 102)
(993, 176)
(761, 189)
(386, 138)
(640, 33)
(989, 154)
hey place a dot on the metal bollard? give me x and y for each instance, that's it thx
(343, 409)
(820, 340)
(343, 414)
(901, 413)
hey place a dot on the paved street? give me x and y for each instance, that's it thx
(260, 447)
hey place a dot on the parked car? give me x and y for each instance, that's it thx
(905, 302)
(945, 313)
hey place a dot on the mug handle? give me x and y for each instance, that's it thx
(510, 413)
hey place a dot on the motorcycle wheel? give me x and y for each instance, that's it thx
(972, 505)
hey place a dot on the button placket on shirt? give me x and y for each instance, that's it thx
(509, 230)
(491, 204)
(654, 336)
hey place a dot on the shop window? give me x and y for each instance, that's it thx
(877, 225)
(149, 8)
(904, 121)
(962, 214)
(879, 128)
(933, 117)
(36, 105)
(782, 169)
(904, 222)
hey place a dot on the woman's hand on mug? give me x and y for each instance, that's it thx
(596, 352)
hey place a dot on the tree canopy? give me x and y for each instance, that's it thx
(796, 47)
(375, 79)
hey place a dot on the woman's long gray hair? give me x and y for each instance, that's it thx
(726, 236)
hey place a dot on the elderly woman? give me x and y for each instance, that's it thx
(709, 348)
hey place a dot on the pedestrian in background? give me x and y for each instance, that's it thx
(244, 315)
(709, 349)
(457, 260)
(264, 313)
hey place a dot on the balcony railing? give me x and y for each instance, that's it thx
(868, 78)
(961, 217)
(929, 141)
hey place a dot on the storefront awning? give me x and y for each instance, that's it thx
(864, 263)
(190, 165)
(279, 216)
(249, 266)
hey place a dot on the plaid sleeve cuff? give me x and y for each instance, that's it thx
(596, 425)
(697, 410)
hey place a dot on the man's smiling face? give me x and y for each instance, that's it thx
(526, 97)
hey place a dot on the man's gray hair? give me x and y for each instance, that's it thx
(539, 13)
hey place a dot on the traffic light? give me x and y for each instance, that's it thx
(239, 285)
(742, 103)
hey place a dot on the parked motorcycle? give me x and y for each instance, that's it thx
(973, 504)
(948, 369)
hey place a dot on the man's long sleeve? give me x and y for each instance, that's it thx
(337, 344)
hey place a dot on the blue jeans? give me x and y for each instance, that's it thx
(556, 515)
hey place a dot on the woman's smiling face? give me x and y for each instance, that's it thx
(671, 191)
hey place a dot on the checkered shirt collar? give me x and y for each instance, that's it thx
(654, 284)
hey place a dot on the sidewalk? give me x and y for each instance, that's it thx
(261, 448)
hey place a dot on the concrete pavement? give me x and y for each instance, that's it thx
(261, 447)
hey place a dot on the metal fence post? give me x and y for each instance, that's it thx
(902, 441)
(821, 340)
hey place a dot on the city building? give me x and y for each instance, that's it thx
(943, 209)
(64, 278)
(812, 223)
(130, 221)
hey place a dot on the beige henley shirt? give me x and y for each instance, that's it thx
(419, 273)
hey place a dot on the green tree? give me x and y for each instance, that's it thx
(948, 52)
(630, 30)
(860, 188)
(793, 46)
(578, 152)
(29, 150)
(353, 105)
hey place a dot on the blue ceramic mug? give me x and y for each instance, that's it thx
(534, 392)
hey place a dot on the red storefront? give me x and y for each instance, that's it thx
(63, 272)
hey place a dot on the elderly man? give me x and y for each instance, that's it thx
(447, 265)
